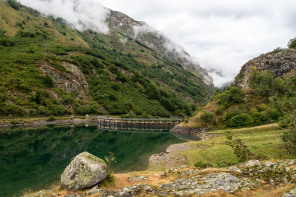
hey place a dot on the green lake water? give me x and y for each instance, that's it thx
(35, 158)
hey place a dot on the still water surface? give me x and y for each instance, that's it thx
(35, 158)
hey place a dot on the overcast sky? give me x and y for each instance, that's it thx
(220, 34)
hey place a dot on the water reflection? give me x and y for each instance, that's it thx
(35, 158)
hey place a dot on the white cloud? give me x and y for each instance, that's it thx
(221, 34)
(83, 15)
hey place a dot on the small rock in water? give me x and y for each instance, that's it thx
(84, 171)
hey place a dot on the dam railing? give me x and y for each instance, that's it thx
(136, 123)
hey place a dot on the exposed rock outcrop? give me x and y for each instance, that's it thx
(71, 81)
(184, 181)
(188, 131)
(84, 171)
(281, 63)
(166, 160)
(251, 175)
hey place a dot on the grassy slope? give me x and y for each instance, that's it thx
(148, 83)
(263, 141)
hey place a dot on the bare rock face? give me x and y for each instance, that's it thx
(71, 80)
(84, 171)
(281, 64)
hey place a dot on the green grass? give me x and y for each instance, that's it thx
(263, 141)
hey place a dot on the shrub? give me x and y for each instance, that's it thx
(289, 139)
(240, 120)
(292, 43)
(68, 99)
(112, 97)
(43, 110)
(259, 118)
(59, 110)
(116, 87)
(14, 4)
(12, 109)
(207, 117)
(241, 150)
(273, 114)
(229, 97)
(200, 164)
(219, 111)
(51, 118)
(6, 42)
(87, 109)
(186, 119)
(48, 82)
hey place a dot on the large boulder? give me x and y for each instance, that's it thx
(84, 171)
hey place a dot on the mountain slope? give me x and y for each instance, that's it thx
(48, 68)
(155, 40)
(263, 92)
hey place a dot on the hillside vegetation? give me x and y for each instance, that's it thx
(268, 97)
(48, 68)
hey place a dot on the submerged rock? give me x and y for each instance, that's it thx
(84, 171)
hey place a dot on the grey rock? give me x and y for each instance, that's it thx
(235, 169)
(292, 193)
(138, 178)
(94, 191)
(279, 63)
(84, 171)
(252, 163)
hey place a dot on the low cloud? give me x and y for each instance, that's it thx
(221, 34)
(81, 14)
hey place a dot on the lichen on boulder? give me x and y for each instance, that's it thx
(84, 171)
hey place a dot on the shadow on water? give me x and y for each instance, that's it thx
(35, 158)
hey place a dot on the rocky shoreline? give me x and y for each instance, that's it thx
(277, 177)
(187, 181)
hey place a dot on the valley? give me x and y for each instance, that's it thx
(132, 107)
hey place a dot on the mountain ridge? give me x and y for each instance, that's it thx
(49, 68)
(151, 37)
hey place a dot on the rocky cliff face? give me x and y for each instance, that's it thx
(281, 63)
(72, 80)
(141, 31)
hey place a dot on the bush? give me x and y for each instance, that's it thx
(207, 117)
(219, 111)
(259, 118)
(59, 110)
(230, 97)
(240, 120)
(200, 164)
(87, 109)
(292, 43)
(273, 114)
(68, 99)
(43, 110)
(51, 118)
(241, 150)
(12, 109)
(289, 139)
(14, 4)
(48, 82)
